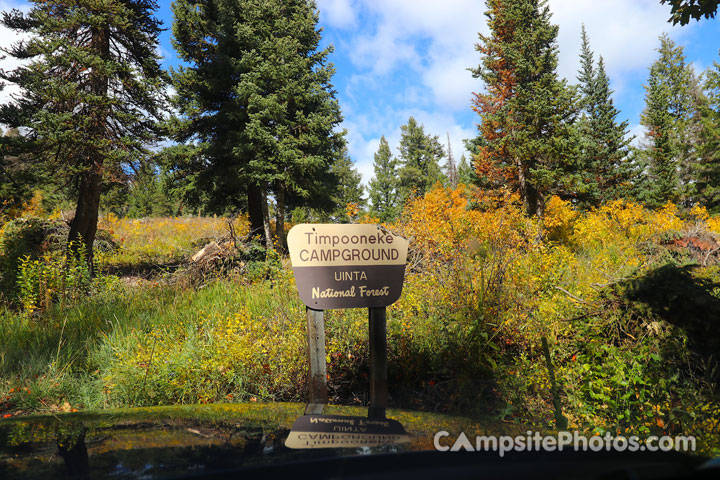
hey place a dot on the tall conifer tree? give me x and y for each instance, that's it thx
(90, 93)
(603, 141)
(384, 195)
(667, 117)
(420, 154)
(349, 189)
(256, 103)
(466, 173)
(586, 74)
(450, 167)
(706, 168)
(526, 115)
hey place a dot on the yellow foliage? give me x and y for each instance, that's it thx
(351, 210)
(163, 239)
(368, 218)
(625, 223)
(535, 283)
(699, 212)
(558, 213)
(713, 224)
(666, 220)
(442, 224)
(31, 208)
(559, 218)
(55, 214)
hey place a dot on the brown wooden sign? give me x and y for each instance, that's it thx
(347, 266)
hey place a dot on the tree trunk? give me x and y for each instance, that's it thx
(532, 198)
(539, 204)
(259, 216)
(255, 211)
(280, 217)
(534, 201)
(266, 220)
(84, 225)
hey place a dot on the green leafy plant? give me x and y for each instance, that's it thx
(56, 277)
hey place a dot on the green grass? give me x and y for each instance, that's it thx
(73, 339)
(69, 356)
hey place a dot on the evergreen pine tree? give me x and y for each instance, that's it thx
(349, 189)
(603, 143)
(19, 175)
(148, 195)
(667, 116)
(588, 191)
(612, 166)
(419, 157)
(661, 152)
(384, 185)
(706, 169)
(586, 75)
(693, 139)
(258, 105)
(525, 139)
(90, 92)
(466, 173)
(450, 167)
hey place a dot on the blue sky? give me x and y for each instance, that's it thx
(396, 58)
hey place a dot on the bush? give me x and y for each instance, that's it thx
(56, 277)
(487, 284)
(25, 241)
(26, 238)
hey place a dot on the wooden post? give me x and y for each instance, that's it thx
(317, 379)
(378, 362)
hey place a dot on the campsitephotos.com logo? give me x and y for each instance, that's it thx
(575, 441)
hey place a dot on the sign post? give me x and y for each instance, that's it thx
(378, 362)
(316, 360)
(348, 266)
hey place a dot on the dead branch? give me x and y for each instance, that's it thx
(574, 297)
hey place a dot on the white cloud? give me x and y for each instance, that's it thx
(433, 40)
(451, 83)
(382, 51)
(624, 33)
(427, 43)
(337, 13)
(437, 39)
(166, 54)
(638, 131)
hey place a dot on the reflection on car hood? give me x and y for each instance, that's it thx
(226, 439)
(158, 441)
